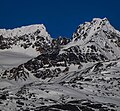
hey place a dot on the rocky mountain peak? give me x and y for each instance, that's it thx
(89, 29)
(25, 37)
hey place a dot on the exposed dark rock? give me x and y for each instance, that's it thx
(3, 97)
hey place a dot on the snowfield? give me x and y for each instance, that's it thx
(10, 59)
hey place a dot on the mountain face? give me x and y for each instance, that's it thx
(22, 44)
(98, 38)
(77, 74)
(27, 37)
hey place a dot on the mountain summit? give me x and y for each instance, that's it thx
(77, 74)
(99, 35)
(24, 38)
(22, 44)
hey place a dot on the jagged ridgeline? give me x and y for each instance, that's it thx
(95, 41)
(81, 72)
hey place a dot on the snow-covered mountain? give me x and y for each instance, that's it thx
(77, 74)
(25, 38)
(96, 39)
(21, 44)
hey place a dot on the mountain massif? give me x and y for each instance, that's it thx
(41, 73)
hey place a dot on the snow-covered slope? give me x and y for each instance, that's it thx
(25, 39)
(96, 39)
(21, 44)
(77, 74)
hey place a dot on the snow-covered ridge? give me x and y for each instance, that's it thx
(22, 41)
(98, 33)
(90, 28)
(24, 30)
(25, 37)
